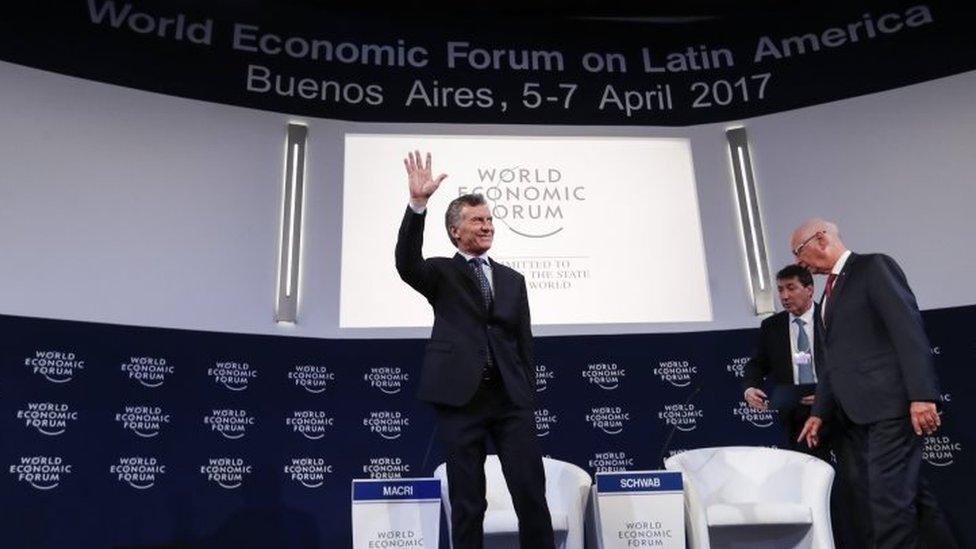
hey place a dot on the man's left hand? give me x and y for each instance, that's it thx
(925, 417)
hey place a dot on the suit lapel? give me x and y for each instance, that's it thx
(462, 265)
(783, 343)
(836, 293)
(501, 282)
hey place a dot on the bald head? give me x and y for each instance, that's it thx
(817, 245)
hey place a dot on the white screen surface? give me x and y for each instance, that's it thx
(605, 230)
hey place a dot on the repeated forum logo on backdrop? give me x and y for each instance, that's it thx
(388, 424)
(941, 450)
(605, 375)
(609, 419)
(758, 418)
(544, 420)
(49, 418)
(138, 472)
(607, 462)
(41, 472)
(228, 473)
(737, 366)
(676, 372)
(235, 376)
(386, 467)
(388, 379)
(313, 378)
(309, 472)
(144, 421)
(312, 424)
(543, 375)
(147, 370)
(682, 416)
(531, 201)
(55, 366)
(229, 422)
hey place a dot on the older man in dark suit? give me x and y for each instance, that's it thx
(478, 369)
(880, 383)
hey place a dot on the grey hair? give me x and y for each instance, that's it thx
(452, 217)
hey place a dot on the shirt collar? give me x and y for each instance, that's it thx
(468, 257)
(806, 316)
(841, 261)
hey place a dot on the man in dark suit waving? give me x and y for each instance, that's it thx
(786, 357)
(478, 369)
(880, 383)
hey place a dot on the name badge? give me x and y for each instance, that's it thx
(802, 357)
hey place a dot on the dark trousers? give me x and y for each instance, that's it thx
(892, 504)
(793, 420)
(464, 432)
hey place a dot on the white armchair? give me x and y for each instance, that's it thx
(567, 493)
(755, 497)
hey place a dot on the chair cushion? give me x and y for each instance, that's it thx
(734, 514)
(499, 522)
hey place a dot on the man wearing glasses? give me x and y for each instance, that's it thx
(879, 382)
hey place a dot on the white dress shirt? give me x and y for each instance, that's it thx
(795, 331)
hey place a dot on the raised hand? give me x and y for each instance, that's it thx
(419, 178)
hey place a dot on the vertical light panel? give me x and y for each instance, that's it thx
(750, 221)
(292, 200)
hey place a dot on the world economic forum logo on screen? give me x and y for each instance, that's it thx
(530, 201)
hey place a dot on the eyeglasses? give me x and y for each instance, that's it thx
(798, 249)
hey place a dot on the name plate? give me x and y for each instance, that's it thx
(396, 513)
(640, 509)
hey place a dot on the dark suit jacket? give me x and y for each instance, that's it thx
(464, 331)
(773, 358)
(878, 357)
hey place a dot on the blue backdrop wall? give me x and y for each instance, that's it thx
(117, 436)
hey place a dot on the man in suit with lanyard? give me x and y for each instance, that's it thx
(478, 369)
(879, 382)
(786, 354)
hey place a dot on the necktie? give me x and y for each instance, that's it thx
(827, 288)
(483, 284)
(804, 369)
(826, 294)
(488, 372)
